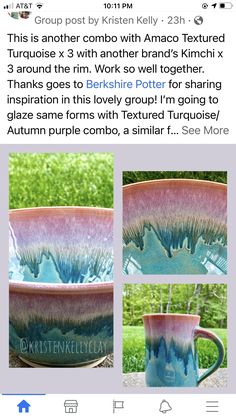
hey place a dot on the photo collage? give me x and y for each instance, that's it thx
(130, 277)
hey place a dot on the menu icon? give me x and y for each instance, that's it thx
(212, 406)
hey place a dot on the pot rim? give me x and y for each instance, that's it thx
(195, 316)
(177, 183)
(59, 289)
(62, 208)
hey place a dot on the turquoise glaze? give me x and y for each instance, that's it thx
(176, 226)
(61, 245)
(171, 353)
(61, 285)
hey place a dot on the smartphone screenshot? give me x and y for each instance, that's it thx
(117, 161)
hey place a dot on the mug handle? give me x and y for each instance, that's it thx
(206, 334)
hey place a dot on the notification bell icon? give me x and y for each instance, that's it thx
(165, 407)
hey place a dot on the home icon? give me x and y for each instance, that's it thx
(23, 407)
(71, 406)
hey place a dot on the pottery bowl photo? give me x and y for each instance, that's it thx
(61, 285)
(175, 226)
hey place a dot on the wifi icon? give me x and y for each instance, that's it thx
(39, 5)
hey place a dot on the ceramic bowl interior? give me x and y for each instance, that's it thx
(61, 245)
(175, 226)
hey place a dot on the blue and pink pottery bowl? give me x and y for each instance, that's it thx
(175, 226)
(61, 285)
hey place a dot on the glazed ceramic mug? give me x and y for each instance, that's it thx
(171, 353)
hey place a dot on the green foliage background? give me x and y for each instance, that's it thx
(206, 300)
(132, 177)
(60, 179)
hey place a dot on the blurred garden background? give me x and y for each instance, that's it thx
(132, 177)
(60, 179)
(207, 300)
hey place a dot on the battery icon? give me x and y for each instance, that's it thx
(226, 5)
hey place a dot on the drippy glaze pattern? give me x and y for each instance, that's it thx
(55, 327)
(61, 290)
(171, 354)
(61, 245)
(175, 227)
